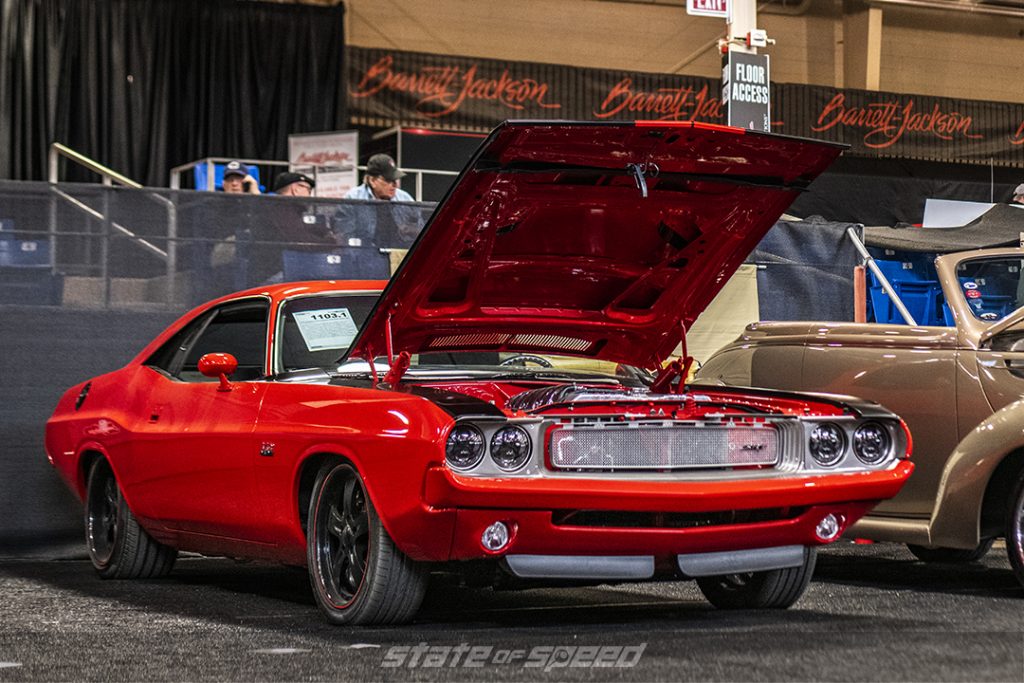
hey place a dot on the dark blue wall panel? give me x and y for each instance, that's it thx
(43, 351)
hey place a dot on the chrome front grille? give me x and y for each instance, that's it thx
(663, 446)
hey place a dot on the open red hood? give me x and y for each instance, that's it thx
(548, 244)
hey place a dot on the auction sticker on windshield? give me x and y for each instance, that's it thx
(328, 328)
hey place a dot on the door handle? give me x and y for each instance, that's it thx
(1015, 366)
(1005, 363)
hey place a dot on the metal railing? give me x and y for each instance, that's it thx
(224, 243)
(210, 163)
(887, 287)
(419, 173)
(57, 150)
(109, 177)
(118, 233)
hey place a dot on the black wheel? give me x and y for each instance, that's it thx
(951, 555)
(118, 547)
(357, 573)
(1015, 529)
(773, 589)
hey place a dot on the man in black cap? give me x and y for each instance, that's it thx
(285, 225)
(238, 180)
(380, 181)
(373, 224)
(294, 185)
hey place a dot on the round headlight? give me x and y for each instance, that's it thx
(872, 443)
(465, 447)
(828, 442)
(510, 448)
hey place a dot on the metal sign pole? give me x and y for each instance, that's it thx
(742, 21)
(746, 89)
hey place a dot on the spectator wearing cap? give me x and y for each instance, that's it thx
(1018, 194)
(294, 185)
(285, 224)
(380, 181)
(237, 179)
(374, 223)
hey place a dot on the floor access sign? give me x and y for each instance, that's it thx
(745, 90)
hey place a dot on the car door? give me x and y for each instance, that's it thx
(1000, 360)
(310, 332)
(194, 449)
(987, 294)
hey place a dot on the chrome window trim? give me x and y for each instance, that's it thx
(276, 362)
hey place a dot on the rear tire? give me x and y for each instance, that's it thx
(773, 589)
(1015, 529)
(357, 573)
(118, 547)
(950, 555)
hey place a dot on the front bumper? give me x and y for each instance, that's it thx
(528, 506)
(534, 532)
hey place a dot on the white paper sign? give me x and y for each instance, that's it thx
(330, 157)
(328, 328)
(335, 183)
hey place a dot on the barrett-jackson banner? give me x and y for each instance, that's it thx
(388, 88)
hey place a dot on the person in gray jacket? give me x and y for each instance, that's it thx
(371, 222)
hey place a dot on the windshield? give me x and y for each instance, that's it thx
(315, 331)
(992, 286)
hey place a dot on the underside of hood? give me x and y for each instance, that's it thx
(604, 240)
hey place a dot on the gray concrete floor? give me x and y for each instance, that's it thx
(872, 613)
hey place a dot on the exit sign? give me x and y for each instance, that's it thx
(708, 8)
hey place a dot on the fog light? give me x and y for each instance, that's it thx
(828, 528)
(495, 537)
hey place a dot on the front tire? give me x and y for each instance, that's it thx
(951, 555)
(1015, 529)
(357, 574)
(773, 589)
(118, 547)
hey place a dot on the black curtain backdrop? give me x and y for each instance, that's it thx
(145, 86)
(892, 191)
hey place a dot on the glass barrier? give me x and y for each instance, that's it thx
(88, 245)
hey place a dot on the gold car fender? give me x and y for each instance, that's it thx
(956, 518)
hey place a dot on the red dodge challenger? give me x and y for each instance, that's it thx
(504, 406)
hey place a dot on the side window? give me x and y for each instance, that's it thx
(238, 328)
(171, 355)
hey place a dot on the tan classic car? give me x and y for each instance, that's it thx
(959, 389)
